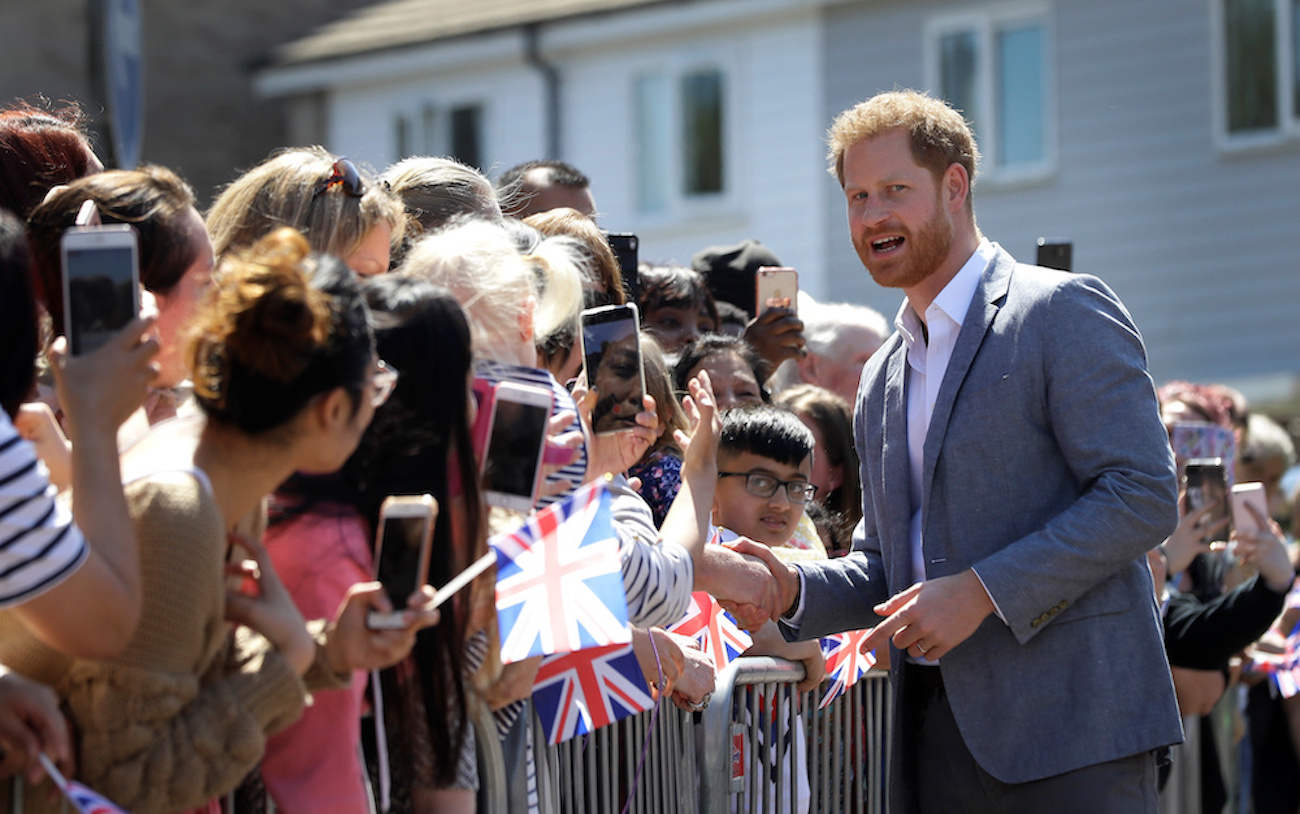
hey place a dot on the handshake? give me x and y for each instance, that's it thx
(749, 581)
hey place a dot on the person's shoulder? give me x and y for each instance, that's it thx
(173, 493)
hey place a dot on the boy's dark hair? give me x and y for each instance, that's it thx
(771, 432)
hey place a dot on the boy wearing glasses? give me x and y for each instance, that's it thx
(764, 465)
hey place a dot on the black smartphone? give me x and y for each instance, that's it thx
(1205, 481)
(611, 357)
(402, 548)
(1055, 253)
(625, 246)
(101, 283)
(516, 440)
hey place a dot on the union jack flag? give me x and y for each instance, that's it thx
(845, 662)
(83, 799)
(89, 801)
(713, 629)
(577, 693)
(559, 580)
(1287, 674)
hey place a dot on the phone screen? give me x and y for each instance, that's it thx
(1207, 485)
(1055, 254)
(101, 294)
(514, 447)
(400, 555)
(612, 357)
(625, 246)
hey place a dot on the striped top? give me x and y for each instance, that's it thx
(39, 543)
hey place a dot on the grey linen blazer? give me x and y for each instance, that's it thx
(1047, 469)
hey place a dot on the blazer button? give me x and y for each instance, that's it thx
(1036, 622)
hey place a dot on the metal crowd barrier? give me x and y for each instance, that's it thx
(840, 762)
(1182, 791)
(736, 756)
(643, 764)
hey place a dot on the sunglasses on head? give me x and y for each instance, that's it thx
(343, 173)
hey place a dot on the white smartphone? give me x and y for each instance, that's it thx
(776, 287)
(611, 358)
(402, 547)
(1244, 494)
(516, 438)
(101, 283)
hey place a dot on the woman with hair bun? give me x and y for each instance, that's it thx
(287, 379)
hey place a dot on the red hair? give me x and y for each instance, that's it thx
(40, 149)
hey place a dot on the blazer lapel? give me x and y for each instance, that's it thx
(895, 482)
(984, 306)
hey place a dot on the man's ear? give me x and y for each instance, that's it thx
(956, 187)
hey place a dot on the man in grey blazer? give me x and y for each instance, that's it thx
(1014, 473)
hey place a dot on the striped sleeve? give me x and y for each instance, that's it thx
(658, 576)
(39, 543)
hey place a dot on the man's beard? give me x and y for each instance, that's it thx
(927, 250)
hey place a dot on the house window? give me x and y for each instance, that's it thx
(994, 68)
(680, 130)
(455, 131)
(1260, 66)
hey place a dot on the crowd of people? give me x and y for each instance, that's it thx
(188, 513)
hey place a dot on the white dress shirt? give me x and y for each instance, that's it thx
(927, 362)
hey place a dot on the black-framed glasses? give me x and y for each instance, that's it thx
(760, 484)
(343, 173)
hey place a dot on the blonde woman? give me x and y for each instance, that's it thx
(338, 208)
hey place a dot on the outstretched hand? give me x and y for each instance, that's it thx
(932, 617)
(742, 582)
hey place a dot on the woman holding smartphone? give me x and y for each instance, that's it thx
(320, 537)
(285, 373)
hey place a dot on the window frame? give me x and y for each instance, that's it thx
(986, 23)
(1286, 43)
(428, 125)
(678, 204)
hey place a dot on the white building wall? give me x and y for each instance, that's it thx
(772, 136)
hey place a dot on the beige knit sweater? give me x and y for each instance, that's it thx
(182, 715)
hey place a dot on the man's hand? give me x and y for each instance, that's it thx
(784, 574)
(932, 617)
(744, 585)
